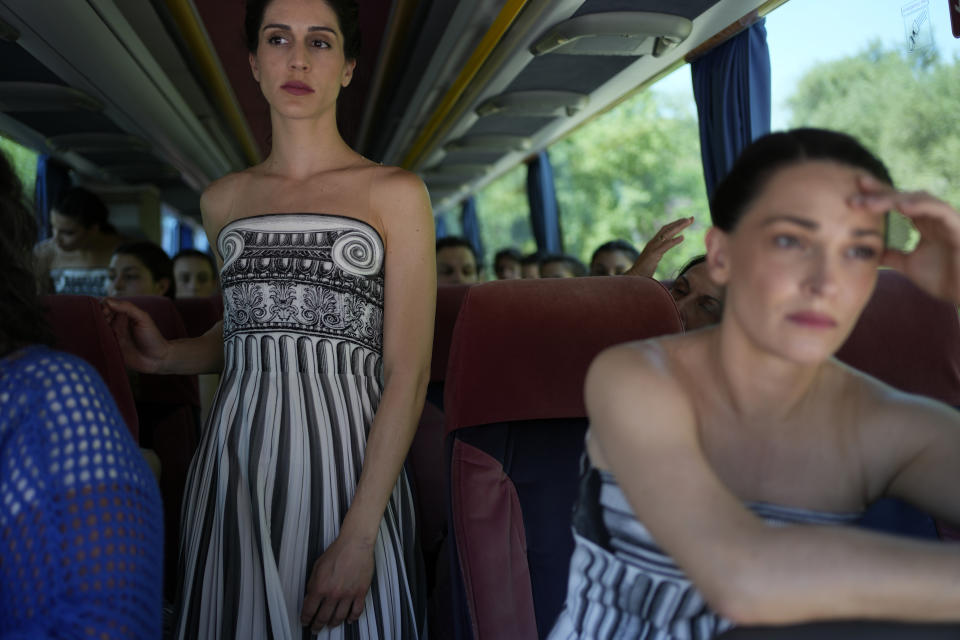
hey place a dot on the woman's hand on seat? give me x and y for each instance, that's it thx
(143, 347)
(338, 584)
(934, 264)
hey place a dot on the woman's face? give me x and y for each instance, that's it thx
(699, 299)
(456, 265)
(801, 263)
(299, 62)
(610, 263)
(130, 277)
(68, 233)
(508, 269)
(195, 278)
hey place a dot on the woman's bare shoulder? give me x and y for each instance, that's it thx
(640, 373)
(218, 198)
(398, 197)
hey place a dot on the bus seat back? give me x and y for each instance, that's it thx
(907, 339)
(199, 314)
(168, 406)
(515, 422)
(80, 328)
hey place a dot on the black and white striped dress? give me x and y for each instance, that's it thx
(622, 585)
(283, 448)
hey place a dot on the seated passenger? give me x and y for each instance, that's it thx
(530, 266)
(613, 258)
(699, 299)
(719, 462)
(506, 264)
(81, 544)
(456, 261)
(561, 265)
(141, 269)
(76, 258)
(195, 274)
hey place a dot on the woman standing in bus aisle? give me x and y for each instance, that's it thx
(297, 513)
(753, 422)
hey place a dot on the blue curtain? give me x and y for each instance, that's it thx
(544, 212)
(471, 226)
(52, 179)
(185, 233)
(731, 85)
(440, 224)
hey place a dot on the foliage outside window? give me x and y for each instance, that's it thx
(630, 171)
(902, 107)
(24, 163)
(504, 213)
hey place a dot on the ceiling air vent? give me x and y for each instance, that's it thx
(42, 96)
(616, 33)
(534, 104)
(98, 142)
(492, 142)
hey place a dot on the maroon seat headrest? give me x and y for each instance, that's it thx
(521, 348)
(907, 339)
(199, 314)
(449, 299)
(80, 328)
(172, 389)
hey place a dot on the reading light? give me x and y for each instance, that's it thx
(616, 33)
(534, 104)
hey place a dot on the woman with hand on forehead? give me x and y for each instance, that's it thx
(699, 443)
(298, 518)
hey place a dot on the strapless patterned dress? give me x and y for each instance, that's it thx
(283, 447)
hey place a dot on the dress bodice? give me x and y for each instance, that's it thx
(310, 274)
(81, 280)
(620, 573)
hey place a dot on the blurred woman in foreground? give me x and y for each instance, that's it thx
(699, 443)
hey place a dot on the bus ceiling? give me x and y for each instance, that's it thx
(160, 92)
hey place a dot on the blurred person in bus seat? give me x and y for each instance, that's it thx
(81, 542)
(561, 265)
(76, 258)
(698, 298)
(506, 264)
(141, 269)
(298, 516)
(456, 261)
(730, 455)
(530, 266)
(195, 274)
(613, 258)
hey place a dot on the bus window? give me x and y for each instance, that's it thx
(504, 212)
(632, 170)
(24, 162)
(891, 82)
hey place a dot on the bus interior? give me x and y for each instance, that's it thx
(149, 101)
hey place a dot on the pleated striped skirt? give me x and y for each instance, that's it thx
(274, 475)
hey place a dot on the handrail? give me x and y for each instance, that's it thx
(195, 37)
(497, 30)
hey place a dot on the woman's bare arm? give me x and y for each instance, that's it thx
(644, 425)
(341, 576)
(911, 446)
(144, 349)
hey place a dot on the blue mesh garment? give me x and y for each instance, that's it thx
(81, 529)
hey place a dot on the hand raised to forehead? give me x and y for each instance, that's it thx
(934, 264)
